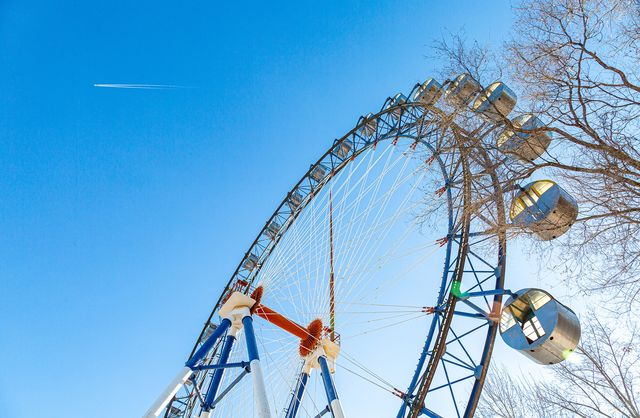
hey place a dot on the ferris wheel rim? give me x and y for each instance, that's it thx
(353, 132)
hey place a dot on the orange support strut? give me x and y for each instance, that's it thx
(280, 321)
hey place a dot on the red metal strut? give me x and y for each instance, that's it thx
(309, 336)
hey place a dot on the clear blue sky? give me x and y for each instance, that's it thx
(124, 212)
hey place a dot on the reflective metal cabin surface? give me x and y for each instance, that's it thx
(548, 215)
(463, 89)
(559, 324)
(527, 146)
(251, 262)
(369, 125)
(273, 230)
(295, 199)
(398, 99)
(560, 219)
(318, 173)
(343, 150)
(429, 92)
(495, 102)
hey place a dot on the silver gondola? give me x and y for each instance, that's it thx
(429, 92)
(397, 100)
(273, 229)
(495, 102)
(544, 208)
(344, 149)
(294, 201)
(462, 90)
(539, 327)
(250, 262)
(369, 125)
(524, 141)
(318, 173)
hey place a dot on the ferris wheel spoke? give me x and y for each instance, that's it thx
(372, 330)
(351, 359)
(366, 256)
(369, 380)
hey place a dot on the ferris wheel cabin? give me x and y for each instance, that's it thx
(344, 149)
(398, 99)
(544, 208)
(539, 327)
(462, 90)
(525, 141)
(295, 200)
(250, 262)
(318, 173)
(429, 92)
(495, 102)
(368, 125)
(273, 230)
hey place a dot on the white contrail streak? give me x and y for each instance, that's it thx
(139, 86)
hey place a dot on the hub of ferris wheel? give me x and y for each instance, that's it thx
(318, 351)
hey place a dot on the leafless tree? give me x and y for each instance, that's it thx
(601, 380)
(576, 64)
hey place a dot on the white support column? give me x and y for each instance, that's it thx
(168, 394)
(336, 409)
(259, 389)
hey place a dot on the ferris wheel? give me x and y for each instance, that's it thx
(376, 287)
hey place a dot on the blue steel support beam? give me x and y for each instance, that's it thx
(217, 374)
(259, 390)
(296, 399)
(330, 389)
(489, 293)
(471, 315)
(239, 364)
(208, 344)
(185, 374)
(429, 413)
(475, 308)
(231, 386)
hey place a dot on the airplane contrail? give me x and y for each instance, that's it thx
(140, 86)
